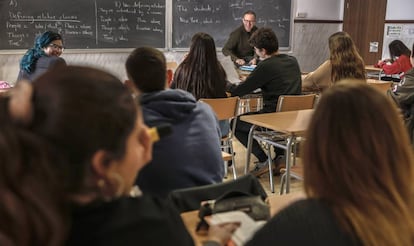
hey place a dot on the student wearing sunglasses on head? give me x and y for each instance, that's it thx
(44, 55)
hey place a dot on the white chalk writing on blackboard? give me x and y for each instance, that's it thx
(84, 23)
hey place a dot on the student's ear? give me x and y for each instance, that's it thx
(131, 86)
(101, 163)
(169, 77)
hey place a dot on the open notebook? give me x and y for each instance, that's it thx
(247, 68)
(247, 225)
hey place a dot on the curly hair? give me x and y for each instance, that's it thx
(265, 38)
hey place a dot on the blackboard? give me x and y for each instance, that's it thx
(84, 23)
(218, 18)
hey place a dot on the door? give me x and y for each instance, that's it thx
(364, 21)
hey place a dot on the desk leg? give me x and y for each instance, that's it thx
(270, 164)
(288, 161)
(249, 149)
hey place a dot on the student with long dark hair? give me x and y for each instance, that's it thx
(201, 73)
(399, 63)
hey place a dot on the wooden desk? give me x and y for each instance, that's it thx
(373, 72)
(383, 86)
(371, 68)
(276, 203)
(293, 123)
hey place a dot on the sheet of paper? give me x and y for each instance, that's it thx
(247, 67)
(247, 225)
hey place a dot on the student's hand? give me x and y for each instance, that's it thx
(222, 233)
(379, 64)
(240, 62)
(253, 61)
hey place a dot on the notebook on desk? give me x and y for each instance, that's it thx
(248, 68)
(247, 225)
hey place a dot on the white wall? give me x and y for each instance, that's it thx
(400, 10)
(321, 9)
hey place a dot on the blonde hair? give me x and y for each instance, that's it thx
(359, 160)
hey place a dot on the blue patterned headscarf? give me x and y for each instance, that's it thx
(32, 55)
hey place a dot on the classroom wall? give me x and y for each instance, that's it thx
(309, 45)
(321, 9)
(399, 10)
(314, 23)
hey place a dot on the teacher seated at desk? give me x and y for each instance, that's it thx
(238, 46)
(44, 55)
(277, 74)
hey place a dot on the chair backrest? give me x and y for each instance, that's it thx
(295, 102)
(383, 86)
(190, 198)
(225, 108)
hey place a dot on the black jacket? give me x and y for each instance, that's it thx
(128, 221)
